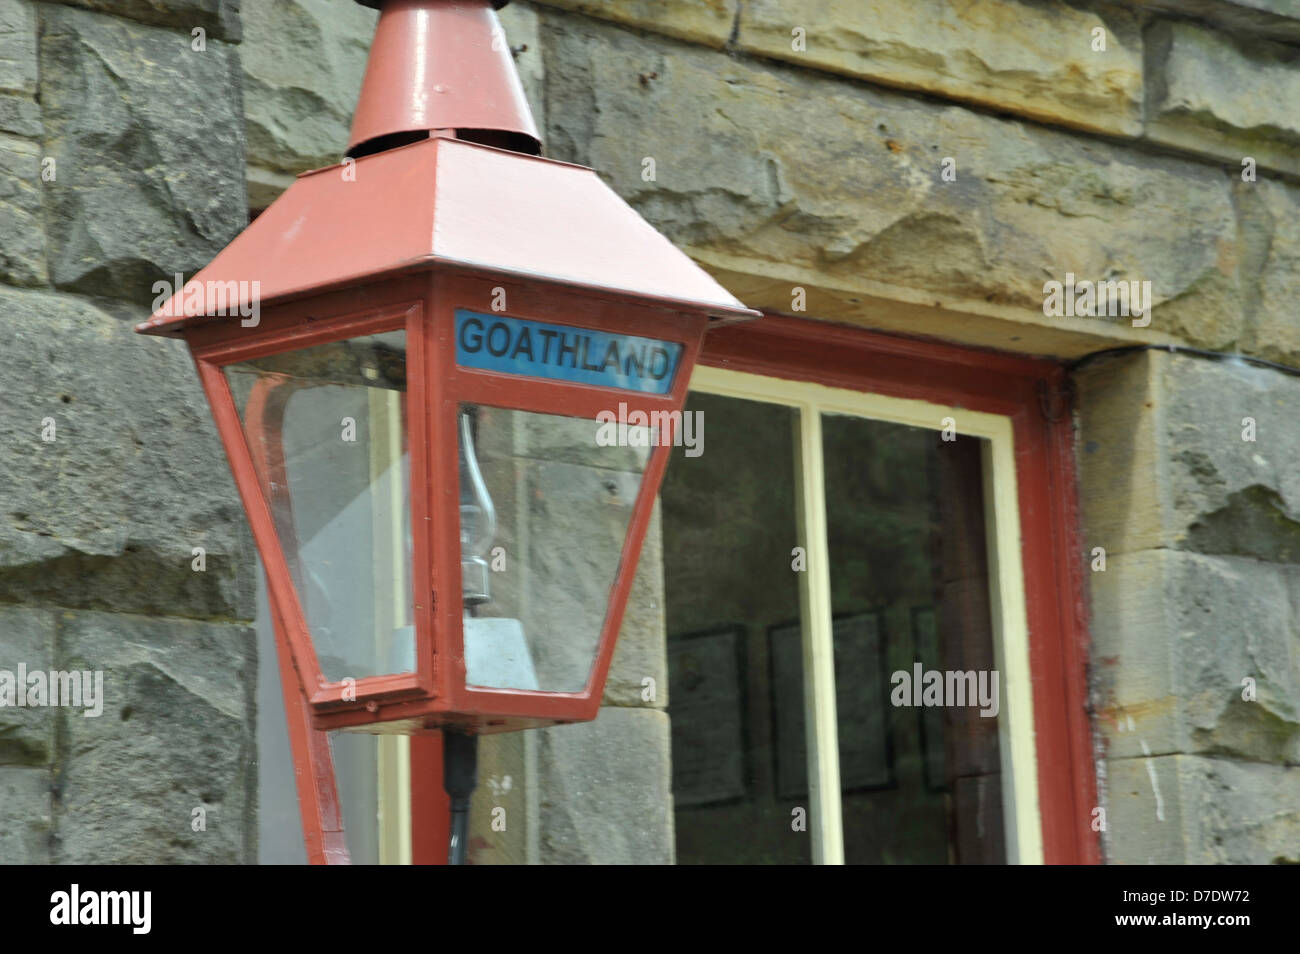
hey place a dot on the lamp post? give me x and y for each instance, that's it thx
(396, 325)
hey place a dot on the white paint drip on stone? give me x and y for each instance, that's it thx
(1155, 784)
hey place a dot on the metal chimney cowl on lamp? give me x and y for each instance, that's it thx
(443, 292)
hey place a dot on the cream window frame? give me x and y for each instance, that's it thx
(393, 790)
(1024, 842)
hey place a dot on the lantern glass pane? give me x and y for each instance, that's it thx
(326, 429)
(546, 502)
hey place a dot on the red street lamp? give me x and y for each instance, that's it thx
(406, 355)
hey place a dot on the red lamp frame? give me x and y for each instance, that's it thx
(436, 694)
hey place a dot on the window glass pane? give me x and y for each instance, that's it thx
(920, 772)
(356, 771)
(735, 694)
(279, 822)
(545, 504)
(325, 426)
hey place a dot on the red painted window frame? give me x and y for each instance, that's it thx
(1033, 393)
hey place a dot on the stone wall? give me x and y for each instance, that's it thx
(123, 158)
(1188, 476)
(916, 166)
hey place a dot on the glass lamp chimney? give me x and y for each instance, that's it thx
(478, 519)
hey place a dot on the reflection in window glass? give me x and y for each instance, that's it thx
(909, 595)
(920, 783)
(734, 660)
(326, 427)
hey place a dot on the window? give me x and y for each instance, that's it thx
(870, 510)
(838, 538)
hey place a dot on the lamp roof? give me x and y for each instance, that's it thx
(444, 202)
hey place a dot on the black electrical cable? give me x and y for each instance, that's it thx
(459, 778)
(1183, 349)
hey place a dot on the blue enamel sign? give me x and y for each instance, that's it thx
(535, 349)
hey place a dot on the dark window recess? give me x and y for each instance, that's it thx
(909, 584)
